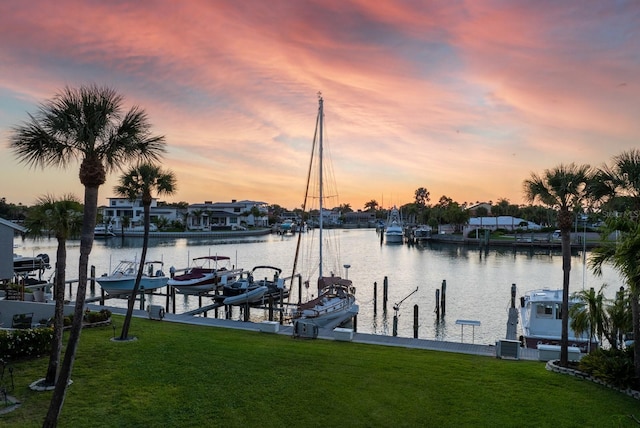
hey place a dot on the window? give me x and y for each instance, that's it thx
(544, 310)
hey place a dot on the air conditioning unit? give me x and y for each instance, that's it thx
(156, 312)
(508, 349)
(305, 329)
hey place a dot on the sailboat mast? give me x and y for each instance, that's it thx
(320, 149)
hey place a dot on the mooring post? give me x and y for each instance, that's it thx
(270, 308)
(375, 297)
(395, 325)
(92, 283)
(142, 301)
(166, 303)
(246, 312)
(437, 304)
(385, 286)
(173, 299)
(355, 323)
(443, 297)
(299, 289)
(415, 321)
(101, 296)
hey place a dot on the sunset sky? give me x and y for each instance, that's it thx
(465, 98)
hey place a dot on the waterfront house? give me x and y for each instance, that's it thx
(119, 208)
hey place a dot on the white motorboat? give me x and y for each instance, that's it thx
(103, 231)
(249, 282)
(26, 264)
(335, 303)
(394, 233)
(205, 274)
(123, 278)
(541, 320)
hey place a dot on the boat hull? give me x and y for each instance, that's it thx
(250, 296)
(116, 286)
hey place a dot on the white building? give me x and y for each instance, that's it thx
(225, 215)
(120, 208)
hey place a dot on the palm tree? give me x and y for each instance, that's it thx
(619, 186)
(64, 218)
(561, 188)
(589, 314)
(140, 182)
(85, 124)
(623, 255)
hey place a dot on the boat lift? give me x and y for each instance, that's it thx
(396, 308)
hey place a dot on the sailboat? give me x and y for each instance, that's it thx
(335, 303)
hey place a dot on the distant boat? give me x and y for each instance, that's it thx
(123, 278)
(394, 233)
(205, 274)
(335, 304)
(102, 231)
(541, 320)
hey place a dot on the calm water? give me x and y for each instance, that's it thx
(478, 281)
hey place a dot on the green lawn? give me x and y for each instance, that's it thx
(179, 375)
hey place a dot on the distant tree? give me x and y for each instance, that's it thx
(64, 218)
(372, 205)
(589, 314)
(84, 124)
(422, 197)
(142, 181)
(482, 212)
(562, 188)
(345, 208)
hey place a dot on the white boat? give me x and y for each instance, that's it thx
(335, 303)
(252, 287)
(393, 233)
(205, 274)
(541, 321)
(246, 295)
(102, 231)
(123, 278)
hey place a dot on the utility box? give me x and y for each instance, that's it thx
(508, 349)
(156, 312)
(305, 329)
(552, 352)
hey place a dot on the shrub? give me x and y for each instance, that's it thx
(94, 316)
(612, 366)
(25, 343)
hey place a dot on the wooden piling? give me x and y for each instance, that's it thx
(385, 287)
(270, 308)
(375, 298)
(512, 318)
(443, 298)
(415, 321)
(92, 283)
(437, 304)
(173, 299)
(395, 325)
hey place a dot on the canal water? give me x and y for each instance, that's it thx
(478, 281)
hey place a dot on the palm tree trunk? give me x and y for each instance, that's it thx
(132, 299)
(58, 324)
(86, 244)
(566, 270)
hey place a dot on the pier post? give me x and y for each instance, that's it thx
(101, 296)
(395, 325)
(173, 299)
(443, 297)
(437, 304)
(512, 321)
(270, 308)
(166, 304)
(142, 300)
(92, 284)
(200, 305)
(246, 312)
(385, 286)
(375, 297)
(415, 321)
(299, 289)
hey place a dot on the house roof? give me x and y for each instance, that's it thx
(12, 225)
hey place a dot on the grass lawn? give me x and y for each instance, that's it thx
(178, 375)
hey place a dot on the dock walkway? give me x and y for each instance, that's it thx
(371, 339)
